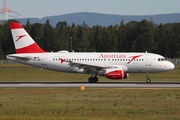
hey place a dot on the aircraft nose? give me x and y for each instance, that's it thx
(170, 66)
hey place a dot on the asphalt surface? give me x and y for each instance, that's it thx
(89, 85)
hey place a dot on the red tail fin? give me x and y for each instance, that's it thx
(22, 40)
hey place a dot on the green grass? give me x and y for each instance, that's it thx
(18, 72)
(72, 104)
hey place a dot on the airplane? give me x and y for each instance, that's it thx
(112, 65)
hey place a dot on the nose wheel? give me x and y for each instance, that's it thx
(148, 78)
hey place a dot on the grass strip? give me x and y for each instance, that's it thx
(100, 104)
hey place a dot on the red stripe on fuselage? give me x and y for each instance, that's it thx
(34, 48)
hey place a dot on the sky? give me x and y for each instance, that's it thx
(43, 8)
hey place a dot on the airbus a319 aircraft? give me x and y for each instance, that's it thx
(112, 65)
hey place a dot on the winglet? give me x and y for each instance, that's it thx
(22, 40)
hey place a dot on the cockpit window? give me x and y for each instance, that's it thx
(162, 59)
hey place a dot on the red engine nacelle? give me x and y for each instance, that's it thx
(115, 74)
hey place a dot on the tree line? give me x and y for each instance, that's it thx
(134, 36)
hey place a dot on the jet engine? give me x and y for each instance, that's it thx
(115, 74)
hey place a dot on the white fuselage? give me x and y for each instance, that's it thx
(61, 61)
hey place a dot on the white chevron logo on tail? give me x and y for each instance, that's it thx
(19, 37)
(22, 40)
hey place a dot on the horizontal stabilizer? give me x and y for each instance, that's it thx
(15, 57)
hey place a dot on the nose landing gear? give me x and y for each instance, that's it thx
(148, 78)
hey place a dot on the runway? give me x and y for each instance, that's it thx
(89, 85)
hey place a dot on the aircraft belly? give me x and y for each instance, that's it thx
(136, 69)
(59, 67)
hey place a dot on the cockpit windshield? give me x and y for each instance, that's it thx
(162, 59)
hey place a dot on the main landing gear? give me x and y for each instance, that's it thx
(148, 78)
(93, 79)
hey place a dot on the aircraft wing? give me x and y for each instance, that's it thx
(89, 67)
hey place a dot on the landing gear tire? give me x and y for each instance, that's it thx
(148, 80)
(93, 79)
